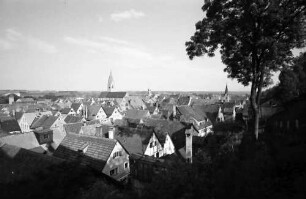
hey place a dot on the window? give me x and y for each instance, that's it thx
(113, 172)
(152, 144)
(126, 165)
(46, 136)
(157, 155)
(116, 154)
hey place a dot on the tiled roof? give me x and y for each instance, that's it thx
(183, 100)
(136, 114)
(96, 155)
(93, 110)
(18, 115)
(89, 130)
(175, 129)
(92, 122)
(108, 110)
(189, 113)
(135, 102)
(151, 109)
(65, 110)
(45, 121)
(23, 140)
(73, 119)
(134, 141)
(112, 94)
(73, 127)
(9, 125)
(210, 110)
(75, 106)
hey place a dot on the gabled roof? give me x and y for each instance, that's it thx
(65, 110)
(151, 109)
(73, 119)
(210, 110)
(92, 122)
(175, 129)
(136, 114)
(23, 140)
(113, 94)
(75, 106)
(93, 110)
(109, 110)
(73, 127)
(135, 141)
(97, 153)
(183, 100)
(18, 115)
(189, 113)
(45, 121)
(9, 125)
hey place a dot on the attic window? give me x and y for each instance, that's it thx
(153, 144)
(117, 154)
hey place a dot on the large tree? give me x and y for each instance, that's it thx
(255, 38)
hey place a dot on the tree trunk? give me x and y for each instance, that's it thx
(256, 123)
(255, 109)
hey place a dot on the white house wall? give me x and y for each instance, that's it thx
(152, 151)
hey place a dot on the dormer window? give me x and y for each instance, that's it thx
(152, 144)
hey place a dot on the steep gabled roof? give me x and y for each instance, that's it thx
(75, 106)
(9, 125)
(65, 110)
(183, 100)
(73, 119)
(93, 110)
(18, 115)
(97, 151)
(73, 127)
(136, 114)
(109, 110)
(45, 121)
(189, 113)
(23, 140)
(135, 141)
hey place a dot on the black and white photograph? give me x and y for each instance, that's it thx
(103, 99)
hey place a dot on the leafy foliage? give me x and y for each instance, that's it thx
(255, 38)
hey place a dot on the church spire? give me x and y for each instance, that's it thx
(226, 90)
(110, 84)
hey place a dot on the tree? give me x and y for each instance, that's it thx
(293, 80)
(255, 38)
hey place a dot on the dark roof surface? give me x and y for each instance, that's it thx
(135, 141)
(189, 113)
(65, 110)
(108, 110)
(75, 106)
(73, 127)
(183, 100)
(112, 94)
(136, 114)
(73, 119)
(9, 125)
(45, 121)
(96, 155)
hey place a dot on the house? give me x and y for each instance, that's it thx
(135, 102)
(47, 122)
(25, 120)
(177, 133)
(112, 95)
(9, 126)
(77, 108)
(67, 111)
(134, 116)
(73, 119)
(107, 156)
(229, 110)
(112, 113)
(184, 100)
(95, 112)
(188, 114)
(140, 141)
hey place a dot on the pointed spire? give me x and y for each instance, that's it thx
(226, 90)
(110, 84)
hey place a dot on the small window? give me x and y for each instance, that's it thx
(157, 155)
(153, 144)
(126, 165)
(46, 136)
(116, 154)
(113, 172)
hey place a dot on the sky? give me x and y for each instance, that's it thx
(74, 44)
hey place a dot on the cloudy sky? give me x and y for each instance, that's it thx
(74, 44)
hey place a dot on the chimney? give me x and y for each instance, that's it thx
(111, 132)
(174, 111)
(99, 131)
(188, 146)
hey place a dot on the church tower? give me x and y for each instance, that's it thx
(110, 83)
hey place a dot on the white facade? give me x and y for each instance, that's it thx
(154, 147)
(168, 146)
